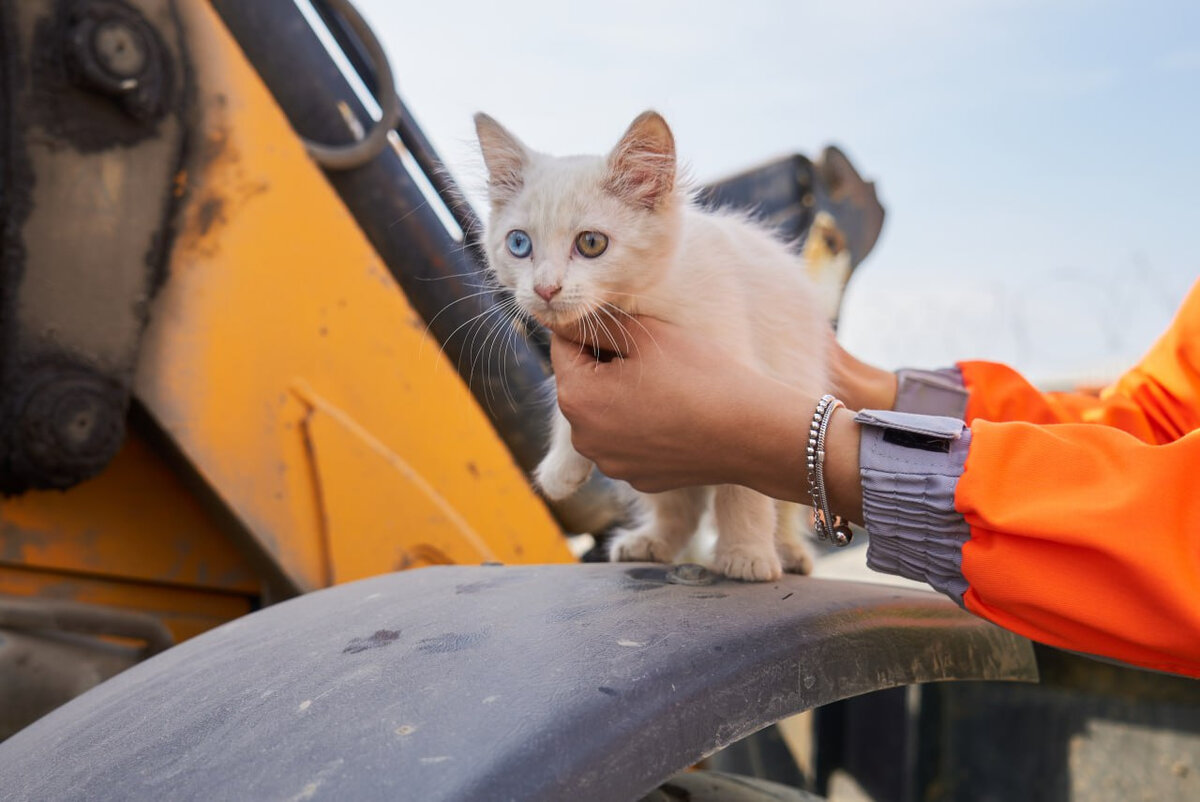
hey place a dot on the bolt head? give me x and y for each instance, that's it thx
(119, 48)
(111, 50)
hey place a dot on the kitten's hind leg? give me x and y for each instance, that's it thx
(791, 525)
(746, 534)
(563, 470)
(671, 518)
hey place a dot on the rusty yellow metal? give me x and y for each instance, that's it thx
(185, 611)
(352, 465)
(135, 521)
(285, 365)
(279, 321)
(136, 536)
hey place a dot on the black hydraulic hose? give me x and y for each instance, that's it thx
(54, 615)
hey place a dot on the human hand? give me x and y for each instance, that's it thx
(674, 409)
(671, 410)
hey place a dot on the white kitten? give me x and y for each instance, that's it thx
(573, 236)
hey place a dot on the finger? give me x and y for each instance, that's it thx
(566, 354)
(645, 334)
(602, 335)
(616, 332)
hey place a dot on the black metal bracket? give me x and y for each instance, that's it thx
(92, 100)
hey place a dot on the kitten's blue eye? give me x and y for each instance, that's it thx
(519, 244)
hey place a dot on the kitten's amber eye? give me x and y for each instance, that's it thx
(591, 243)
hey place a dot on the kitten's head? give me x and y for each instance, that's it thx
(572, 235)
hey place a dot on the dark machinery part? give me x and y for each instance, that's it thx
(356, 154)
(715, 786)
(112, 50)
(787, 195)
(1089, 730)
(52, 615)
(613, 680)
(91, 113)
(411, 135)
(41, 670)
(50, 653)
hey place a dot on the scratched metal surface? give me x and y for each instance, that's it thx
(528, 683)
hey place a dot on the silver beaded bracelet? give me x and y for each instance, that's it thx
(826, 525)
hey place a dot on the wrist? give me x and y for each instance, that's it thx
(773, 429)
(843, 483)
(859, 385)
(770, 453)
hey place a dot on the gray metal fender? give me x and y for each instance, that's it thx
(572, 682)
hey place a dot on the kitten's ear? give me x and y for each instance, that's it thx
(505, 156)
(642, 165)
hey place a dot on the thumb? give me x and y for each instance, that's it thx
(568, 354)
(608, 330)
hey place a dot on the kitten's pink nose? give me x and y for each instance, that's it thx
(547, 291)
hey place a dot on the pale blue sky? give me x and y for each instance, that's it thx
(1038, 160)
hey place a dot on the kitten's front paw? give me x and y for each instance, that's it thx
(639, 546)
(559, 476)
(795, 557)
(791, 527)
(749, 563)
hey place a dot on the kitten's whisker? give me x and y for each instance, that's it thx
(489, 310)
(492, 313)
(490, 343)
(501, 335)
(639, 324)
(601, 326)
(423, 204)
(445, 344)
(627, 340)
(476, 324)
(627, 333)
(518, 330)
(649, 334)
(511, 331)
(624, 335)
(597, 321)
(582, 345)
(465, 274)
(455, 302)
(472, 338)
(588, 333)
(429, 326)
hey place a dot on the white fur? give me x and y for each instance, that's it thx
(715, 273)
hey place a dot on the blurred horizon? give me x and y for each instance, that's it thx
(1038, 162)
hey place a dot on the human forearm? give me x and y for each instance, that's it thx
(773, 435)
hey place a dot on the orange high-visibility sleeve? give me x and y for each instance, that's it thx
(1085, 538)
(1080, 515)
(1157, 401)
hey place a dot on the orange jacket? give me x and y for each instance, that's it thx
(1087, 536)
